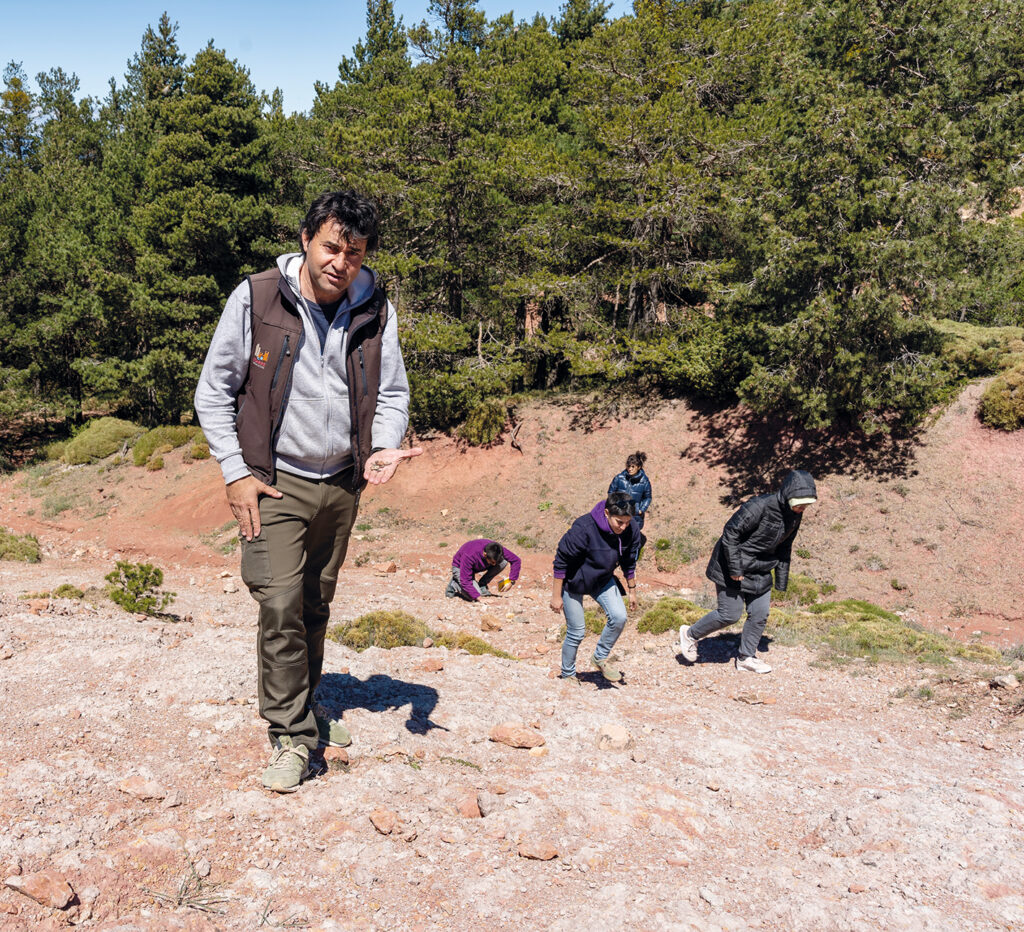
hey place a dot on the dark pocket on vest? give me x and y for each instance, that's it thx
(256, 562)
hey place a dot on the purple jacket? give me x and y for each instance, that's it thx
(590, 550)
(469, 558)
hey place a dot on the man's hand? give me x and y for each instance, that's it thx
(244, 501)
(382, 465)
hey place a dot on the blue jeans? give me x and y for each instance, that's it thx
(731, 603)
(610, 600)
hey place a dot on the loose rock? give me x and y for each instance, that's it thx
(537, 849)
(516, 735)
(45, 887)
(614, 738)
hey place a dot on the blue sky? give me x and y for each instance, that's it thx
(290, 50)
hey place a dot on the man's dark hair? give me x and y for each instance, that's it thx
(355, 214)
(494, 551)
(619, 503)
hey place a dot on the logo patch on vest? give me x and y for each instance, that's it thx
(260, 357)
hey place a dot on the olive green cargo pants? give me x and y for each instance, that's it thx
(291, 570)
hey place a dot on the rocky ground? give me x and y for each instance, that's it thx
(698, 798)
(821, 797)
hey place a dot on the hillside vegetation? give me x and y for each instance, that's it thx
(775, 202)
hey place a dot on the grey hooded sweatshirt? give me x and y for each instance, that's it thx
(313, 438)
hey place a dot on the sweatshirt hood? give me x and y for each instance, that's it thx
(359, 291)
(797, 484)
(597, 513)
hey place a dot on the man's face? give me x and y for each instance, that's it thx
(332, 263)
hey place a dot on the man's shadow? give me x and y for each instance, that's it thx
(721, 648)
(378, 693)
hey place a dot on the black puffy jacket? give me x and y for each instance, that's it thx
(758, 538)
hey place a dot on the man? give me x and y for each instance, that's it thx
(303, 399)
(756, 540)
(480, 556)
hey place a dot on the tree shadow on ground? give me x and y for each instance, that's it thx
(722, 648)
(757, 452)
(378, 693)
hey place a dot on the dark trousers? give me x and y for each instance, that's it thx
(291, 570)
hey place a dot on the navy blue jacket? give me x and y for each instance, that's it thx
(638, 488)
(590, 550)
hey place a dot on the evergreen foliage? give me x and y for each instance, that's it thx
(136, 587)
(785, 203)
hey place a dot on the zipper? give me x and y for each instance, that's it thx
(362, 370)
(280, 361)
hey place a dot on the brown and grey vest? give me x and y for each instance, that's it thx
(276, 333)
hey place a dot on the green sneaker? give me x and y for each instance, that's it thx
(332, 733)
(288, 765)
(608, 670)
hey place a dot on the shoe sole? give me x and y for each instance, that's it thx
(748, 670)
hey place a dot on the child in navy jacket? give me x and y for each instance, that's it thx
(585, 563)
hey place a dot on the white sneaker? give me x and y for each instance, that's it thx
(752, 665)
(687, 645)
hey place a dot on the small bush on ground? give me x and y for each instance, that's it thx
(854, 628)
(1002, 405)
(485, 423)
(669, 615)
(169, 437)
(397, 629)
(470, 643)
(200, 451)
(21, 547)
(136, 587)
(99, 439)
(67, 591)
(802, 590)
(381, 629)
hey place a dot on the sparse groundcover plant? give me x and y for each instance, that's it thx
(161, 440)
(56, 504)
(469, 643)
(854, 628)
(671, 553)
(669, 615)
(397, 629)
(1014, 653)
(67, 591)
(802, 590)
(199, 451)
(99, 439)
(21, 547)
(1002, 405)
(381, 629)
(136, 587)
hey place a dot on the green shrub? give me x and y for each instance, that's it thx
(485, 423)
(23, 548)
(397, 629)
(155, 463)
(168, 437)
(854, 628)
(200, 451)
(1002, 405)
(802, 590)
(669, 615)
(135, 587)
(99, 439)
(55, 450)
(470, 643)
(67, 591)
(381, 629)
(56, 504)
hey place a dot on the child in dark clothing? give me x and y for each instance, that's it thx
(585, 563)
(480, 556)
